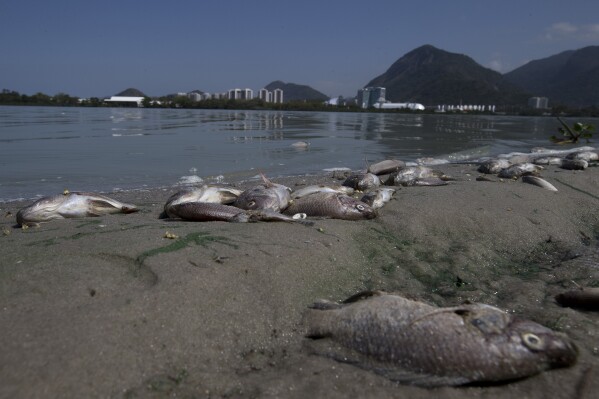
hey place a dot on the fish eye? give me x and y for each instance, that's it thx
(532, 341)
(478, 323)
(360, 207)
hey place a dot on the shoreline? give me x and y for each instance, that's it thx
(110, 307)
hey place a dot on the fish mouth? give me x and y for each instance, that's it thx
(565, 353)
(371, 215)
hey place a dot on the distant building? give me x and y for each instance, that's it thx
(410, 106)
(234, 94)
(538, 102)
(125, 101)
(194, 96)
(277, 96)
(265, 95)
(335, 101)
(247, 94)
(240, 94)
(369, 96)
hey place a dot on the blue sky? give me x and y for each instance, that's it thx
(98, 48)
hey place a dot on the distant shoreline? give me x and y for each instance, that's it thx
(305, 106)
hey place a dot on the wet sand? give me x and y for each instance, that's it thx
(109, 307)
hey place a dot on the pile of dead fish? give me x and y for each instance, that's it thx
(359, 196)
(264, 202)
(268, 202)
(529, 166)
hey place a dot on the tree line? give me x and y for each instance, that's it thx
(10, 97)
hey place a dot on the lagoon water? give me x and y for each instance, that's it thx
(44, 150)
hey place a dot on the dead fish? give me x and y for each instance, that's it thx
(429, 161)
(538, 181)
(516, 170)
(418, 344)
(574, 164)
(269, 195)
(379, 197)
(588, 156)
(331, 205)
(385, 167)
(70, 205)
(548, 161)
(415, 175)
(221, 195)
(584, 298)
(493, 166)
(300, 145)
(362, 181)
(426, 182)
(320, 188)
(208, 211)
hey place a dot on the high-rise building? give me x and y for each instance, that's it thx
(235, 94)
(265, 95)
(277, 96)
(247, 94)
(369, 96)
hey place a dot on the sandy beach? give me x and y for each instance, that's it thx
(110, 307)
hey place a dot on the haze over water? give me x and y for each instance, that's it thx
(44, 150)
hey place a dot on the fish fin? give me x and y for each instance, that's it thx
(362, 295)
(267, 182)
(323, 304)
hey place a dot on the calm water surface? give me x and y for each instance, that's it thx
(44, 150)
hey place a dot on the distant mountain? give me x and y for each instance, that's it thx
(295, 92)
(569, 78)
(432, 76)
(131, 92)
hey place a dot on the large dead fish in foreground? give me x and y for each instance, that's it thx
(70, 205)
(418, 344)
(207, 211)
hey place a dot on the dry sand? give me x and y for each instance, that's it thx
(109, 307)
